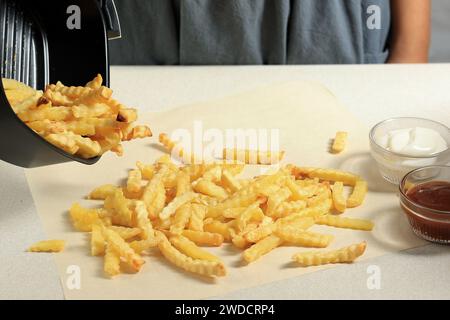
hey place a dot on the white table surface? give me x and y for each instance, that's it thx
(372, 93)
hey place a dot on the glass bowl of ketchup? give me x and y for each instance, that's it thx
(425, 199)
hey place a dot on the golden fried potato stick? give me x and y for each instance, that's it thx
(87, 148)
(276, 199)
(260, 233)
(134, 180)
(118, 205)
(47, 246)
(286, 208)
(252, 212)
(209, 188)
(233, 213)
(82, 218)
(139, 246)
(261, 248)
(253, 156)
(201, 267)
(152, 189)
(142, 220)
(299, 223)
(102, 192)
(202, 238)
(176, 203)
(344, 255)
(303, 238)
(96, 83)
(339, 142)
(358, 195)
(97, 240)
(229, 181)
(347, 178)
(63, 141)
(218, 227)
(235, 201)
(190, 249)
(123, 249)
(339, 202)
(197, 217)
(147, 171)
(111, 264)
(126, 233)
(183, 183)
(46, 113)
(30, 103)
(127, 115)
(95, 111)
(346, 223)
(181, 219)
(136, 132)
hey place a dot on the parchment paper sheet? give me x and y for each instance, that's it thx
(307, 115)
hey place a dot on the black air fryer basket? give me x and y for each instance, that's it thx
(40, 45)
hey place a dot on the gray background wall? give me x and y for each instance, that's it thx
(440, 39)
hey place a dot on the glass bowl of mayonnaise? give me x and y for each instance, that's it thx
(400, 145)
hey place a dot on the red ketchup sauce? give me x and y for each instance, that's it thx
(428, 210)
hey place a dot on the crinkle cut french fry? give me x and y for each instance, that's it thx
(339, 142)
(344, 222)
(326, 174)
(261, 248)
(183, 183)
(96, 82)
(344, 255)
(47, 246)
(197, 217)
(253, 212)
(205, 268)
(152, 189)
(339, 202)
(190, 249)
(102, 192)
(203, 238)
(123, 249)
(125, 232)
(181, 219)
(111, 264)
(260, 233)
(359, 193)
(209, 188)
(63, 141)
(304, 238)
(147, 171)
(276, 199)
(139, 246)
(235, 201)
(218, 227)
(97, 240)
(118, 204)
(134, 180)
(253, 156)
(176, 203)
(230, 182)
(82, 218)
(142, 220)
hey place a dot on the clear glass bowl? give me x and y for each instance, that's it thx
(430, 224)
(394, 166)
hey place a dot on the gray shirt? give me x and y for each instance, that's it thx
(227, 32)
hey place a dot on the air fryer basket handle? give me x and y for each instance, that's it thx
(111, 19)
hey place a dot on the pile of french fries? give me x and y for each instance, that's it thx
(83, 121)
(180, 209)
